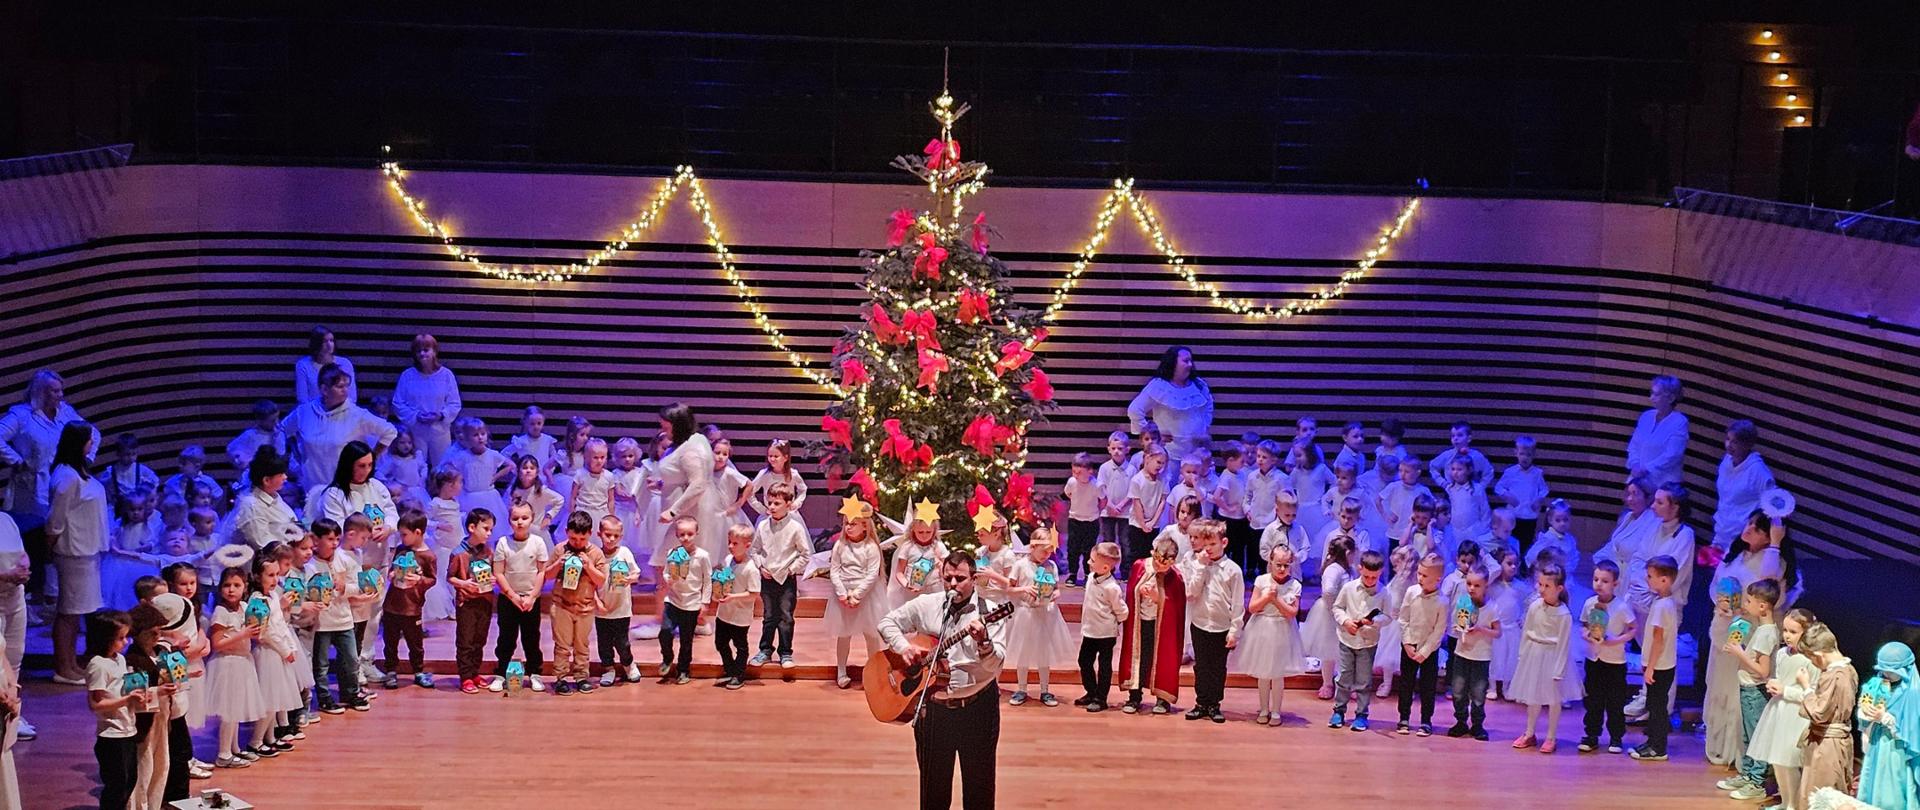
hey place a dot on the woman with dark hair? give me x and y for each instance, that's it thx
(261, 516)
(77, 532)
(29, 434)
(426, 400)
(318, 428)
(1179, 402)
(306, 370)
(686, 476)
(354, 489)
(1636, 526)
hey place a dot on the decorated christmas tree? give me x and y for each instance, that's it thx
(941, 381)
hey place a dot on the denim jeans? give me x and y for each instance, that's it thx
(1469, 680)
(1356, 674)
(776, 614)
(346, 664)
(1753, 699)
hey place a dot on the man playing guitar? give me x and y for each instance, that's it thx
(961, 715)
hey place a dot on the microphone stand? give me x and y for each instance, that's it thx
(954, 609)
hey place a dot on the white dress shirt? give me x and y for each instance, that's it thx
(1103, 607)
(781, 547)
(971, 666)
(1423, 619)
(1216, 595)
(1355, 603)
(260, 517)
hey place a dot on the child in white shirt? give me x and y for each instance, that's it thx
(1353, 447)
(404, 472)
(1460, 436)
(528, 486)
(1084, 498)
(1395, 500)
(482, 468)
(1474, 627)
(779, 468)
(1103, 609)
(593, 486)
(519, 560)
(781, 547)
(613, 606)
(1469, 500)
(264, 432)
(689, 573)
(1523, 488)
(1264, 484)
(1229, 500)
(532, 440)
(734, 593)
(1346, 485)
(1147, 498)
(1555, 541)
(1359, 615)
(1179, 531)
(1115, 480)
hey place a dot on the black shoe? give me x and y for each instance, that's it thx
(1083, 700)
(281, 745)
(1480, 734)
(331, 708)
(1096, 706)
(563, 688)
(1589, 745)
(735, 684)
(585, 686)
(1458, 730)
(1213, 713)
(1196, 713)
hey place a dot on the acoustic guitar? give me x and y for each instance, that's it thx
(893, 688)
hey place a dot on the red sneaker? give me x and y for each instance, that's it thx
(468, 686)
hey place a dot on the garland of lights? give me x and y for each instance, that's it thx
(1122, 194)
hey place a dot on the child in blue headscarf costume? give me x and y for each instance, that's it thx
(1890, 724)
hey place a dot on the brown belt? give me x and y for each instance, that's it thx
(961, 703)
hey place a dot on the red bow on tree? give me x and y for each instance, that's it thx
(919, 324)
(839, 431)
(897, 445)
(864, 482)
(985, 435)
(980, 234)
(884, 327)
(853, 373)
(1040, 335)
(932, 363)
(981, 498)
(1013, 355)
(931, 255)
(942, 154)
(1020, 495)
(920, 457)
(973, 306)
(1040, 388)
(897, 226)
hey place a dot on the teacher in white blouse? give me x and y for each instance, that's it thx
(29, 436)
(317, 429)
(686, 477)
(426, 400)
(306, 370)
(1659, 444)
(1179, 403)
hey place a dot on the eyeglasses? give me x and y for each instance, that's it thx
(954, 580)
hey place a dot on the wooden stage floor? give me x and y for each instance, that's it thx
(807, 744)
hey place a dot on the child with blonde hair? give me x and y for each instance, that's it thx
(1386, 663)
(1542, 678)
(1215, 586)
(916, 564)
(1037, 637)
(1103, 610)
(1318, 635)
(593, 484)
(1270, 646)
(857, 604)
(482, 468)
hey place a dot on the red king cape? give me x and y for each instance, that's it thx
(1169, 638)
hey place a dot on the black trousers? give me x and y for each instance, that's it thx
(1081, 535)
(777, 600)
(518, 626)
(1209, 667)
(679, 623)
(1658, 724)
(1524, 532)
(1096, 666)
(1606, 700)
(1145, 676)
(731, 641)
(972, 734)
(1139, 547)
(179, 751)
(1243, 544)
(1422, 677)
(611, 635)
(119, 759)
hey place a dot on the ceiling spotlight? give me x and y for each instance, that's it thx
(1766, 33)
(1793, 97)
(1799, 119)
(1773, 56)
(1782, 77)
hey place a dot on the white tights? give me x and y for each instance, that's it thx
(229, 737)
(1271, 693)
(1045, 673)
(843, 647)
(1553, 719)
(1789, 779)
(265, 727)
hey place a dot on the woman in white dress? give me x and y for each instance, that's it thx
(1659, 442)
(77, 533)
(686, 480)
(426, 400)
(306, 370)
(1179, 402)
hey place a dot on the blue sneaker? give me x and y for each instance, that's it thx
(1337, 720)
(1359, 724)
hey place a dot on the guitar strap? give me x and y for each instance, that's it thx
(947, 616)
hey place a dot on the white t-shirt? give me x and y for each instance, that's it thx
(344, 568)
(1665, 614)
(105, 675)
(1478, 646)
(1083, 499)
(517, 563)
(1619, 617)
(1149, 497)
(616, 593)
(746, 579)
(1115, 481)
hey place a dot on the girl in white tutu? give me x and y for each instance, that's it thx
(482, 469)
(1403, 560)
(1776, 738)
(1270, 646)
(858, 601)
(627, 483)
(1506, 597)
(916, 564)
(233, 686)
(1319, 638)
(1542, 676)
(1037, 637)
(274, 653)
(445, 535)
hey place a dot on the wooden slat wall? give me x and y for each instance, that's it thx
(173, 333)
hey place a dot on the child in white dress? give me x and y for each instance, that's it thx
(1505, 598)
(627, 481)
(645, 537)
(858, 601)
(1346, 484)
(1319, 637)
(569, 458)
(732, 484)
(779, 468)
(1387, 662)
(1471, 514)
(482, 468)
(916, 564)
(404, 471)
(1184, 514)
(1556, 539)
(233, 686)
(995, 564)
(532, 440)
(1270, 646)
(1395, 500)
(528, 485)
(1776, 739)
(593, 485)
(1543, 676)
(1037, 636)
(275, 656)
(1309, 478)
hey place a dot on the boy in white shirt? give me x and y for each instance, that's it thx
(1084, 497)
(613, 606)
(1347, 525)
(730, 601)
(1115, 479)
(781, 548)
(1395, 500)
(1104, 608)
(1229, 500)
(1358, 611)
(1264, 484)
(1473, 632)
(1147, 499)
(1423, 623)
(1461, 438)
(1657, 645)
(1523, 487)
(333, 627)
(689, 589)
(1216, 608)
(1192, 468)
(519, 560)
(1286, 530)
(1606, 677)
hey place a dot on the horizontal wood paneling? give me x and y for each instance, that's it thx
(174, 333)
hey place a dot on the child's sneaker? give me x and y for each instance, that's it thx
(1083, 700)
(735, 684)
(583, 686)
(1130, 707)
(1162, 707)
(607, 679)
(1748, 792)
(1338, 720)
(470, 686)
(330, 707)
(633, 673)
(533, 682)
(1425, 730)
(786, 662)
(1401, 728)
(759, 659)
(1017, 699)
(666, 669)
(498, 684)
(562, 687)
(1359, 724)
(1458, 730)
(1647, 754)
(360, 704)
(424, 680)
(1588, 745)
(1613, 748)
(1198, 712)
(1731, 783)
(683, 680)
(392, 681)
(1048, 700)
